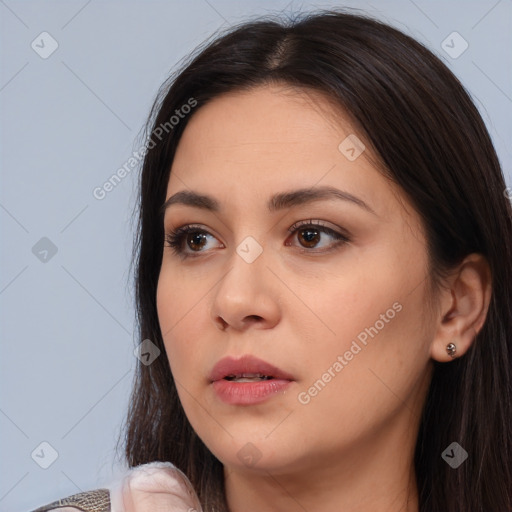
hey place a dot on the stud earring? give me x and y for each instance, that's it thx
(451, 349)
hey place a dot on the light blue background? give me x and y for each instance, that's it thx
(68, 123)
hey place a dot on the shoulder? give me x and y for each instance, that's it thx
(97, 500)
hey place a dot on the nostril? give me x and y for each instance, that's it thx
(223, 324)
(254, 317)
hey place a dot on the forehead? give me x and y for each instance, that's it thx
(248, 144)
(268, 120)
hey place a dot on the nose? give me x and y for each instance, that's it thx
(246, 296)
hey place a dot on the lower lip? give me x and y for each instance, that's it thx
(248, 393)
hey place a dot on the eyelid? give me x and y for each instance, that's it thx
(321, 223)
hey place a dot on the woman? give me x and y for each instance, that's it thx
(323, 261)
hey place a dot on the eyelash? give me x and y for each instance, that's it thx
(174, 239)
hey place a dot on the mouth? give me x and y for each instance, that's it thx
(248, 377)
(246, 369)
(247, 380)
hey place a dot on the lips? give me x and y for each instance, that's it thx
(246, 367)
(248, 381)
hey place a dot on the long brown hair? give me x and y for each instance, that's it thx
(432, 141)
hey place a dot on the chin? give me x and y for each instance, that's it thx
(252, 449)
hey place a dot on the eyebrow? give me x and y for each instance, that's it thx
(277, 202)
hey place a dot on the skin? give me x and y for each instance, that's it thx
(299, 306)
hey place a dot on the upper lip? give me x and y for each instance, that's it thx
(246, 364)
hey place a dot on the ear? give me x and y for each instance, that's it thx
(464, 303)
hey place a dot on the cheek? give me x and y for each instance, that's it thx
(176, 297)
(169, 311)
(349, 302)
(181, 315)
(376, 348)
(375, 364)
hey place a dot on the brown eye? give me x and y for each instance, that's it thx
(188, 241)
(311, 237)
(196, 241)
(311, 234)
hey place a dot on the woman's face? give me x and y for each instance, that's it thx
(327, 288)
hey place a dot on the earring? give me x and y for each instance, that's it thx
(451, 349)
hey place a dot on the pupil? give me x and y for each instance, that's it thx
(311, 237)
(194, 237)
